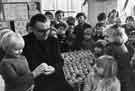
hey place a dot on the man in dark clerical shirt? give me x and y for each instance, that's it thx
(39, 48)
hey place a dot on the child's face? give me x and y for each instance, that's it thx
(98, 69)
(112, 20)
(130, 22)
(16, 49)
(87, 33)
(81, 19)
(109, 35)
(117, 37)
(99, 28)
(33, 6)
(59, 16)
(97, 50)
(61, 30)
(49, 17)
(71, 26)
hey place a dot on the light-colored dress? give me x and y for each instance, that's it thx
(2, 84)
(94, 83)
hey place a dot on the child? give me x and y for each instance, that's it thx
(113, 16)
(14, 67)
(61, 33)
(2, 32)
(98, 31)
(70, 36)
(59, 18)
(99, 48)
(115, 33)
(49, 15)
(123, 53)
(61, 29)
(101, 18)
(88, 42)
(129, 26)
(104, 76)
(79, 29)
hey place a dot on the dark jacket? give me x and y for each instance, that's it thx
(40, 51)
(88, 44)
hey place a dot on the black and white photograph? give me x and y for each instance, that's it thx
(67, 45)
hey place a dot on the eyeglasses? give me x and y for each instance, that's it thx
(42, 30)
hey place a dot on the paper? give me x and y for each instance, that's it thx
(16, 11)
(4, 24)
(20, 27)
(34, 8)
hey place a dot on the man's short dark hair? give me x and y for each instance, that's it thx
(70, 20)
(58, 12)
(48, 13)
(37, 18)
(80, 14)
(101, 16)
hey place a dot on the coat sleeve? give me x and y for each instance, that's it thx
(10, 74)
(2, 84)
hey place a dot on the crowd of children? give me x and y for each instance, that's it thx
(107, 40)
(108, 37)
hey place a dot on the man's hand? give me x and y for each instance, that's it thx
(50, 70)
(40, 69)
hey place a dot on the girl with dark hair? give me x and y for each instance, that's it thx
(129, 26)
(70, 36)
(113, 16)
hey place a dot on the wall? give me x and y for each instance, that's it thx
(95, 7)
(128, 11)
(66, 5)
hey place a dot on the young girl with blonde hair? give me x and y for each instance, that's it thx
(104, 76)
(14, 67)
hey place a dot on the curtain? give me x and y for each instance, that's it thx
(71, 7)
